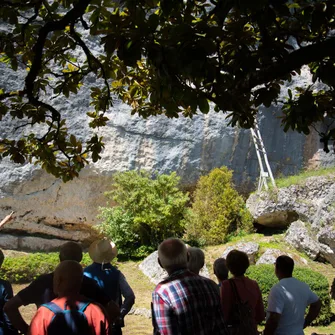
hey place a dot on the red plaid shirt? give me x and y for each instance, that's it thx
(186, 303)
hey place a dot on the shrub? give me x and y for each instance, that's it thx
(265, 277)
(148, 210)
(218, 211)
(24, 269)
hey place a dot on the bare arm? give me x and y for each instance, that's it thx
(7, 219)
(272, 323)
(314, 310)
(11, 308)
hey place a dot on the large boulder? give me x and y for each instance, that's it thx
(250, 248)
(280, 207)
(151, 268)
(308, 207)
(270, 256)
(301, 238)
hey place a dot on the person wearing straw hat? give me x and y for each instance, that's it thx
(110, 279)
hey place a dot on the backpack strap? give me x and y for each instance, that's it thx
(82, 306)
(235, 292)
(53, 307)
(56, 309)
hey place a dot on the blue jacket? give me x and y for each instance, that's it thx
(107, 277)
(6, 293)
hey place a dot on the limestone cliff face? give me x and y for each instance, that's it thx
(45, 207)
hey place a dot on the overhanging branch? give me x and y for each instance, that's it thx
(76, 12)
(294, 61)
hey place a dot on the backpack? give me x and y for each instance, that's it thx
(68, 321)
(241, 321)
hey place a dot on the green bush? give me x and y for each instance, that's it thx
(147, 209)
(24, 269)
(218, 211)
(265, 277)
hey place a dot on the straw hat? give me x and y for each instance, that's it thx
(102, 251)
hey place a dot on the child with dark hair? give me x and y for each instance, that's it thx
(220, 270)
(6, 293)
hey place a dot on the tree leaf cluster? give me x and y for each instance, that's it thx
(168, 57)
(144, 210)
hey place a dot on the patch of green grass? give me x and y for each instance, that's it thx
(301, 177)
(140, 284)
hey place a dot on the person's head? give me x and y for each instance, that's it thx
(67, 280)
(196, 259)
(284, 267)
(237, 262)
(172, 255)
(102, 251)
(71, 251)
(2, 258)
(220, 269)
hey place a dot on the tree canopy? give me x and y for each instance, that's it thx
(169, 57)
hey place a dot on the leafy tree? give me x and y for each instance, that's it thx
(218, 210)
(168, 57)
(148, 210)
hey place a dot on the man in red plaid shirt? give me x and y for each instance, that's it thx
(184, 303)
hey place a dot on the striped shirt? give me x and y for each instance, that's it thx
(186, 303)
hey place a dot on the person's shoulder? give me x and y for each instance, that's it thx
(41, 282)
(89, 267)
(207, 281)
(95, 309)
(47, 277)
(4, 283)
(296, 283)
(251, 282)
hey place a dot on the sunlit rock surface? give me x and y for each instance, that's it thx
(47, 208)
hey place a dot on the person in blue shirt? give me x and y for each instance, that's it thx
(110, 279)
(6, 292)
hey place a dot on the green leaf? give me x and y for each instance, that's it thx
(203, 105)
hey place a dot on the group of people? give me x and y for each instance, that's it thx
(72, 300)
(188, 303)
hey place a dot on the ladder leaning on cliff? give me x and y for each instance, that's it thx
(265, 169)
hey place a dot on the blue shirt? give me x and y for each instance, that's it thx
(6, 293)
(113, 283)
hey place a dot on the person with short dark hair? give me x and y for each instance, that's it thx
(288, 301)
(40, 291)
(184, 303)
(69, 312)
(220, 270)
(196, 260)
(6, 293)
(247, 290)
